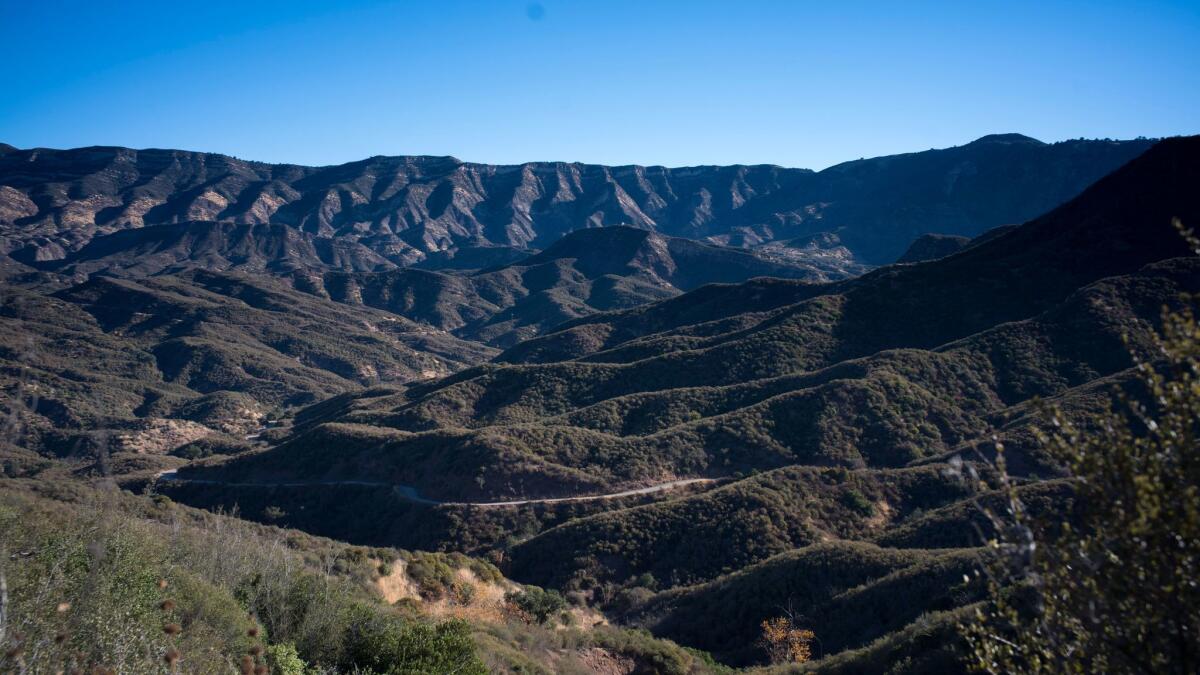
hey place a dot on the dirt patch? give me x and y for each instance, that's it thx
(485, 602)
(604, 662)
(396, 586)
(882, 515)
(158, 436)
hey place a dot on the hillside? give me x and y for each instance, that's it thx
(407, 209)
(165, 360)
(829, 412)
(250, 248)
(104, 579)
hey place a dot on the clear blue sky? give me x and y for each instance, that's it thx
(795, 83)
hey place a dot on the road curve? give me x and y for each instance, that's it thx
(410, 493)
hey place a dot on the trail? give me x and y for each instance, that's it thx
(410, 493)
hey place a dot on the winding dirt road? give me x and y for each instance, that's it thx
(410, 493)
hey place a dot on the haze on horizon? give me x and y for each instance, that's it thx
(618, 82)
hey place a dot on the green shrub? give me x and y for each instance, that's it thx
(390, 646)
(283, 659)
(857, 501)
(539, 604)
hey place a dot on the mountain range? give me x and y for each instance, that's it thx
(397, 211)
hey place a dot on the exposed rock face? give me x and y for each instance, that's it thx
(406, 208)
(14, 205)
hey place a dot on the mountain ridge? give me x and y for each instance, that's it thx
(405, 208)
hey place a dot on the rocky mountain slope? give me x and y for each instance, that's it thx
(407, 209)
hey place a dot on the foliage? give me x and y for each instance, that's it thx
(388, 646)
(537, 603)
(785, 642)
(1115, 592)
(283, 659)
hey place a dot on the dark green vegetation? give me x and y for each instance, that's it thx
(854, 593)
(832, 411)
(402, 210)
(95, 568)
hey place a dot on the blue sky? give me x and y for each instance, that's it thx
(793, 83)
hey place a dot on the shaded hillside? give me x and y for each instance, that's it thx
(934, 246)
(53, 202)
(835, 586)
(587, 271)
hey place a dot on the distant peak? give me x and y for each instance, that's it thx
(1006, 139)
(5, 148)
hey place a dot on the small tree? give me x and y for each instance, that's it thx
(785, 642)
(1119, 589)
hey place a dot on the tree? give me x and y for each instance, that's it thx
(1117, 589)
(785, 642)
